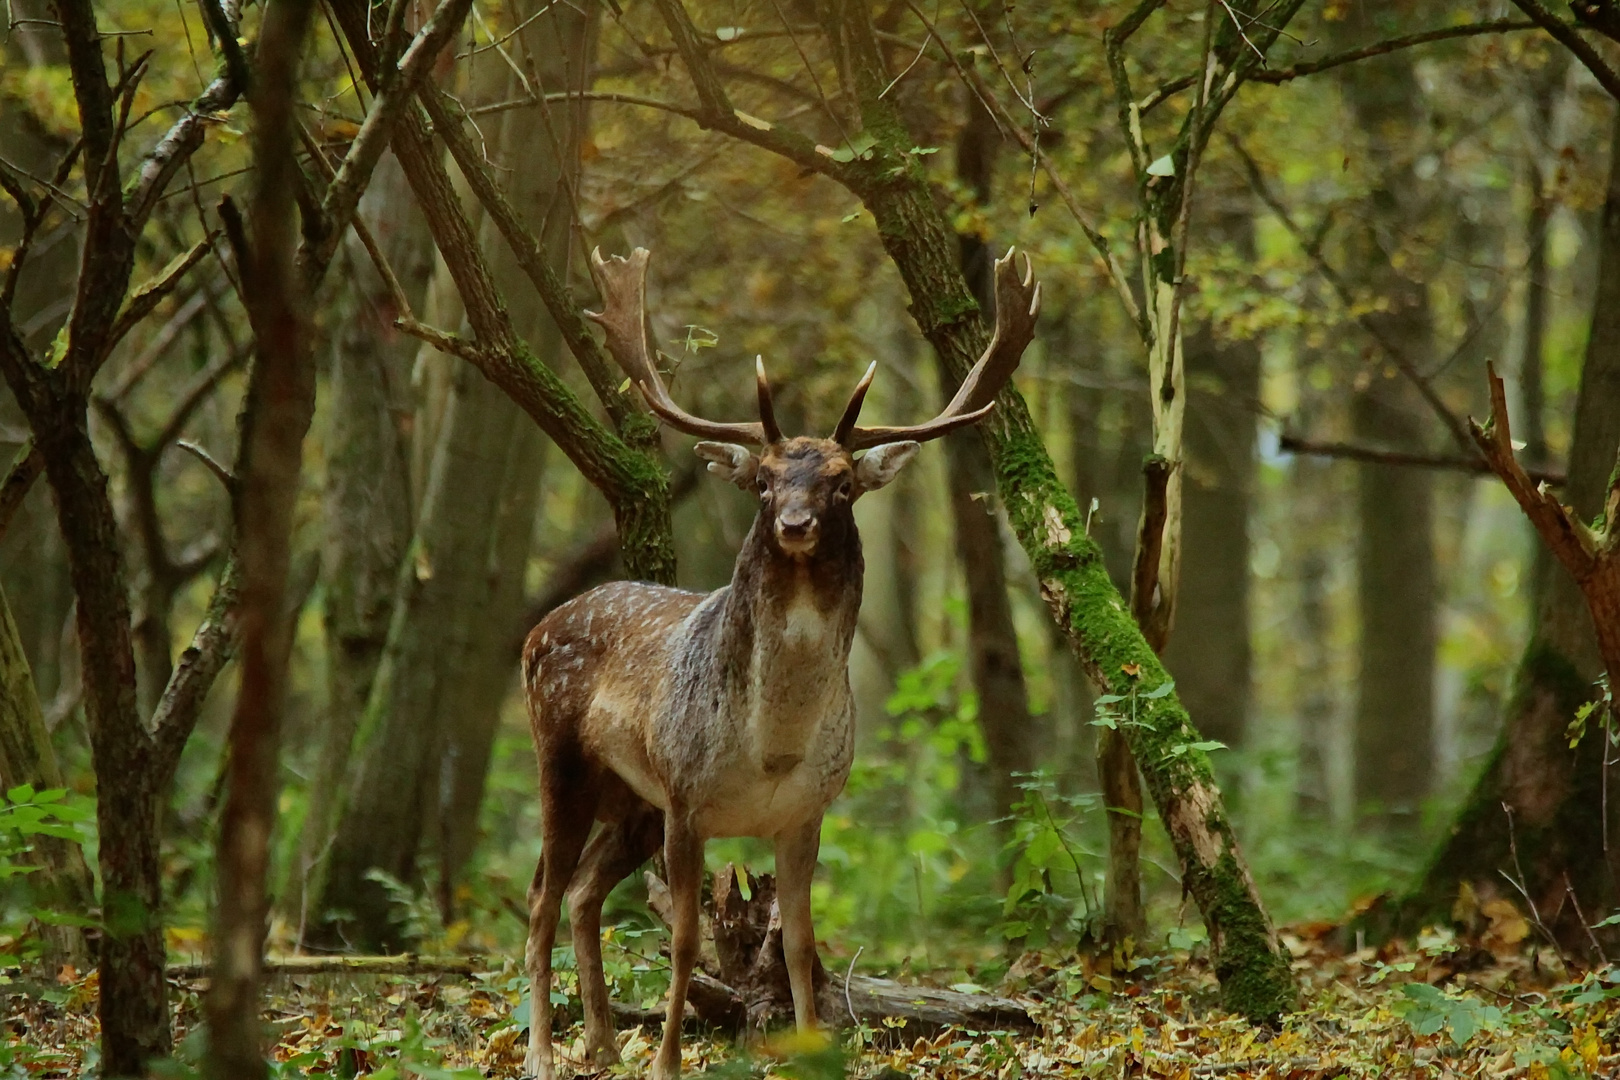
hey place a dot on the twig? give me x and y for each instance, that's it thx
(1575, 902)
(1571, 39)
(849, 1003)
(214, 465)
(25, 469)
(1519, 883)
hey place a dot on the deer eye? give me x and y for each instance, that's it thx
(844, 489)
(764, 485)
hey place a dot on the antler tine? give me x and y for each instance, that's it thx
(767, 414)
(1018, 302)
(852, 411)
(623, 285)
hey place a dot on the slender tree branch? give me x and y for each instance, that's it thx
(1571, 39)
(531, 258)
(25, 469)
(211, 463)
(1295, 444)
(343, 194)
(212, 646)
(1277, 76)
(146, 298)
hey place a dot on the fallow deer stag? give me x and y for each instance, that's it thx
(672, 717)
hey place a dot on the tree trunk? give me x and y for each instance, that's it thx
(278, 407)
(1396, 585)
(396, 788)
(366, 511)
(63, 882)
(542, 171)
(1210, 654)
(1535, 795)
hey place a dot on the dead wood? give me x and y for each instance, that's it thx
(742, 980)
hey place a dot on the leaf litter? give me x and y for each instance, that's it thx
(1449, 1006)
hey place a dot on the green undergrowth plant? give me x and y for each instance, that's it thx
(26, 815)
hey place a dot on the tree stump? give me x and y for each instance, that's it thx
(741, 982)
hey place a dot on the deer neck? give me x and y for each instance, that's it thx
(788, 626)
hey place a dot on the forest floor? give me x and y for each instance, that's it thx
(1492, 1004)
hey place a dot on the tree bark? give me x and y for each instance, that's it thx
(280, 402)
(1556, 797)
(1210, 654)
(366, 509)
(544, 170)
(395, 791)
(618, 463)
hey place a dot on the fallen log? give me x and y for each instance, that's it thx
(401, 964)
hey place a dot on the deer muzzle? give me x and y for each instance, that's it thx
(797, 530)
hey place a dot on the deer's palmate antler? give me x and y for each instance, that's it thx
(671, 717)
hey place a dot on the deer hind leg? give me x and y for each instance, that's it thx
(683, 858)
(568, 808)
(615, 851)
(796, 851)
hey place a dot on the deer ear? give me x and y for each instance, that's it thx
(883, 463)
(731, 462)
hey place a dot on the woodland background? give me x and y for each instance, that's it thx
(1395, 684)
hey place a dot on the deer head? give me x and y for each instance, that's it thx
(807, 485)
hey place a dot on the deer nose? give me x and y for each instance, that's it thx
(796, 521)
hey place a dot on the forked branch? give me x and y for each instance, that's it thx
(1577, 546)
(1590, 554)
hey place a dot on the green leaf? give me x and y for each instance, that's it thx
(21, 793)
(1162, 690)
(1162, 167)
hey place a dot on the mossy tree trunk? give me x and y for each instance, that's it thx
(1248, 958)
(1535, 794)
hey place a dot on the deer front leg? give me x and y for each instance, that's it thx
(796, 851)
(683, 858)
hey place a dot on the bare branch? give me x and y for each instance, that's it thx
(1571, 39)
(212, 646)
(1277, 76)
(25, 469)
(146, 298)
(398, 87)
(213, 464)
(1294, 444)
(1574, 544)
